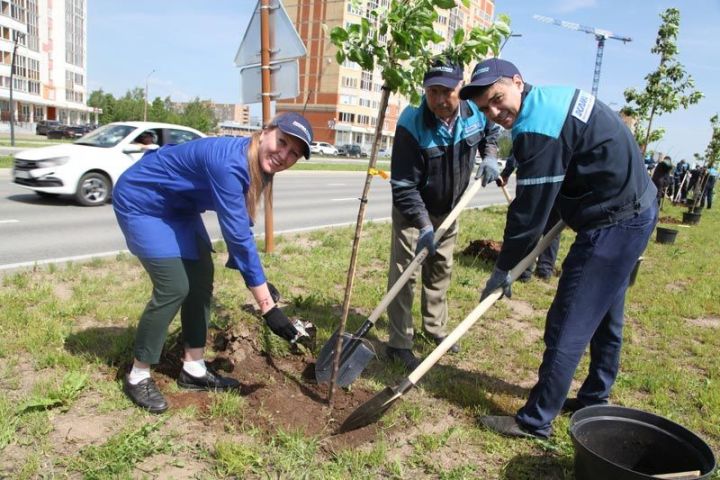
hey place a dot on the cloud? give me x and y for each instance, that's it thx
(566, 6)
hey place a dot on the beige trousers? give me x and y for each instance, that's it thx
(436, 273)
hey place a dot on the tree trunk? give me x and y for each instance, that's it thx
(356, 241)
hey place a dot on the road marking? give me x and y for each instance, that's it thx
(12, 266)
(9, 221)
(343, 199)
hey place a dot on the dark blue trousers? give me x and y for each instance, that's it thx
(588, 309)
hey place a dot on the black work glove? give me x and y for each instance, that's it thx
(498, 279)
(280, 324)
(274, 293)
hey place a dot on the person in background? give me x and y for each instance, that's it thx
(662, 179)
(712, 174)
(679, 173)
(147, 140)
(545, 264)
(574, 154)
(158, 202)
(432, 160)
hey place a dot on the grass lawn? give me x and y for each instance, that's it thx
(338, 166)
(6, 161)
(67, 332)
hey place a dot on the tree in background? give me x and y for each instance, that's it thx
(667, 88)
(712, 152)
(197, 113)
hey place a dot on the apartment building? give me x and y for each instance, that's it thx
(341, 101)
(50, 77)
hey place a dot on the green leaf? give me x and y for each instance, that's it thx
(459, 36)
(340, 57)
(444, 4)
(466, 3)
(338, 35)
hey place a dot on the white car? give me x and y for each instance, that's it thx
(89, 167)
(323, 148)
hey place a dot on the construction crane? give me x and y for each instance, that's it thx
(600, 35)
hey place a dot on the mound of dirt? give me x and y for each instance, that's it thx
(670, 220)
(281, 392)
(484, 249)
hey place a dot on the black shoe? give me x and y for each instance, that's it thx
(209, 381)
(526, 276)
(508, 426)
(145, 395)
(404, 356)
(543, 275)
(454, 349)
(572, 405)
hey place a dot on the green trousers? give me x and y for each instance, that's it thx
(178, 284)
(436, 273)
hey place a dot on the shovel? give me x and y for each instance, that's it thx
(371, 411)
(354, 353)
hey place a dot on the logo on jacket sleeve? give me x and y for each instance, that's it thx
(583, 106)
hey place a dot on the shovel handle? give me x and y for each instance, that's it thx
(422, 255)
(506, 193)
(482, 307)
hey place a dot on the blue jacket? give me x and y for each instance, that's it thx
(158, 202)
(575, 153)
(430, 167)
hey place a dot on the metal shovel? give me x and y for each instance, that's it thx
(371, 411)
(354, 353)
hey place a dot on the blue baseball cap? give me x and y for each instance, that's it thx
(296, 125)
(486, 73)
(444, 74)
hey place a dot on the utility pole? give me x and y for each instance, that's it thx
(146, 95)
(266, 94)
(16, 38)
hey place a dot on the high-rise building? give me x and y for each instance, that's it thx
(341, 101)
(50, 77)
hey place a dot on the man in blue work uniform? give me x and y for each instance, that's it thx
(545, 264)
(575, 154)
(432, 160)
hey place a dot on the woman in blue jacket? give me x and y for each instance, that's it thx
(158, 202)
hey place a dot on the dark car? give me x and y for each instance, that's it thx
(43, 126)
(351, 150)
(65, 131)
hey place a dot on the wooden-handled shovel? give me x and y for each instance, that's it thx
(371, 411)
(354, 354)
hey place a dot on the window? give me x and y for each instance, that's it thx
(354, 9)
(33, 40)
(74, 32)
(349, 82)
(349, 100)
(366, 81)
(180, 136)
(347, 117)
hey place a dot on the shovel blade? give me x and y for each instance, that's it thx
(371, 411)
(354, 357)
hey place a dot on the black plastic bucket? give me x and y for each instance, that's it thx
(691, 218)
(622, 443)
(666, 235)
(634, 273)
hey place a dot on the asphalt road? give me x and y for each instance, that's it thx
(35, 230)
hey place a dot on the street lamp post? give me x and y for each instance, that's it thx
(16, 38)
(146, 96)
(508, 38)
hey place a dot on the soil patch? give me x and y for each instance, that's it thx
(280, 391)
(484, 249)
(669, 220)
(709, 322)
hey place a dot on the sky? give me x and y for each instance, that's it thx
(187, 49)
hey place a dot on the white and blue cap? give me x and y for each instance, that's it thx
(447, 75)
(486, 73)
(294, 124)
